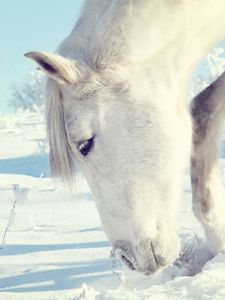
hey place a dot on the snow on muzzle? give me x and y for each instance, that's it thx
(145, 256)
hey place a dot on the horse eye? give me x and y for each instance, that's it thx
(86, 146)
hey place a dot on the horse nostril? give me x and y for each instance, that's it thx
(123, 250)
(127, 262)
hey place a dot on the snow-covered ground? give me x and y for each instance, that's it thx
(52, 242)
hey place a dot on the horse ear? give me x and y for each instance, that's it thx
(61, 69)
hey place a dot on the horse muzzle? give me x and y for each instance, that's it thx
(147, 256)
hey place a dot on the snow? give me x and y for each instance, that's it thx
(54, 246)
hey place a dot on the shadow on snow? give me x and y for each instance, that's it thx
(36, 165)
(24, 249)
(57, 279)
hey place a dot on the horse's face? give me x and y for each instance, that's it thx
(131, 149)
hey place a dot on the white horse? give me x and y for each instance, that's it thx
(116, 105)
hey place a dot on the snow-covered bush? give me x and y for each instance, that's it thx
(30, 95)
(209, 72)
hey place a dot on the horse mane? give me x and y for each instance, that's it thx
(61, 161)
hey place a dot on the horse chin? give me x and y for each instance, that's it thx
(147, 256)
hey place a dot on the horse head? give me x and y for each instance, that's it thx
(130, 144)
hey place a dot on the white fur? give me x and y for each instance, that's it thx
(138, 57)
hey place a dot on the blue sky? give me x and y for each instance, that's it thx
(30, 25)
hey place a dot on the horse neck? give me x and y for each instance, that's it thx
(194, 27)
(203, 27)
(181, 31)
